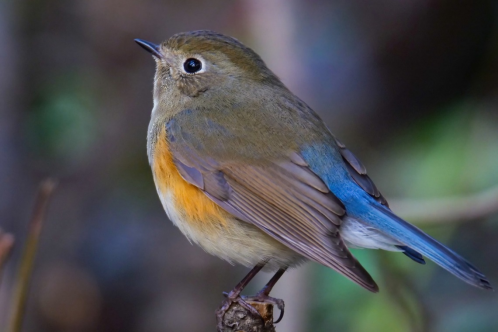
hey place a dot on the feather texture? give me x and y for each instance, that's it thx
(281, 197)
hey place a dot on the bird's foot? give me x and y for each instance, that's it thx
(231, 298)
(264, 298)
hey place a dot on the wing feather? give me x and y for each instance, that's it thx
(281, 196)
(359, 173)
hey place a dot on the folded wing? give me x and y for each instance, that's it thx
(280, 195)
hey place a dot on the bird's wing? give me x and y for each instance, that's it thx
(281, 196)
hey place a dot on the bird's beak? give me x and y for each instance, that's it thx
(152, 48)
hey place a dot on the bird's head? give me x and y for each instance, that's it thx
(192, 63)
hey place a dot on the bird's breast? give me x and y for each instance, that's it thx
(184, 202)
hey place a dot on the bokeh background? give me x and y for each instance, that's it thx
(410, 86)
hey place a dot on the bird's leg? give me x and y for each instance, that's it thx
(234, 295)
(263, 295)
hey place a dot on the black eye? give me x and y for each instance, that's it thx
(192, 65)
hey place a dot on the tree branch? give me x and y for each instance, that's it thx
(6, 243)
(22, 286)
(239, 319)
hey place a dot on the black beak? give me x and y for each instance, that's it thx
(150, 47)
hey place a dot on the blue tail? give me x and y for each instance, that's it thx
(383, 219)
(326, 161)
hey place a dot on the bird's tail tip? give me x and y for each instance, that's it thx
(479, 279)
(421, 243)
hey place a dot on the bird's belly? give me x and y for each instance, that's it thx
(229, 238)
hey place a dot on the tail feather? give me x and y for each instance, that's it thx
(419, 242)
(414, 255)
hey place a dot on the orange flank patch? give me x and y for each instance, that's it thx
(189, 200)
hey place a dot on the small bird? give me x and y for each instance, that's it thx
(249, 172)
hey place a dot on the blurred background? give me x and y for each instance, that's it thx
(410, 86)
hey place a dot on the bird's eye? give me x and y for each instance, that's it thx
(192, 65)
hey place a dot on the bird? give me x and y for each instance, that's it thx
(249, 172)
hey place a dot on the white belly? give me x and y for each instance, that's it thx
(235, 241)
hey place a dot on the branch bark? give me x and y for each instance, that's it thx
(239, 319)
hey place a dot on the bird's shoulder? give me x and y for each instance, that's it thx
(258, 128)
